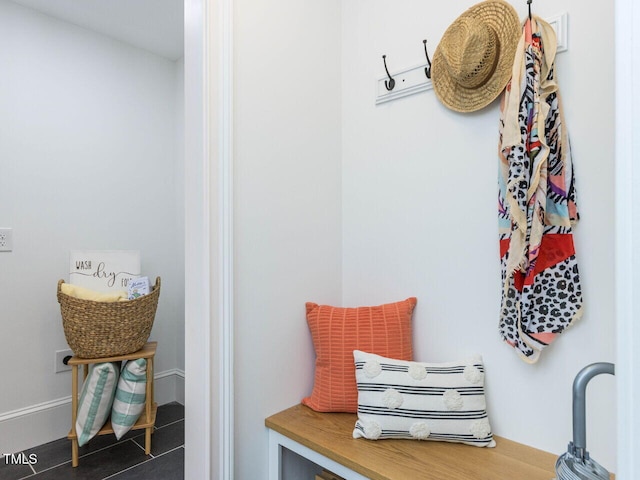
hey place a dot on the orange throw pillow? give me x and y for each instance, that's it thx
(336, 332)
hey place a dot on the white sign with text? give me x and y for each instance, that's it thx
(103, 270)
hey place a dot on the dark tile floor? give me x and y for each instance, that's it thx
(106, 458)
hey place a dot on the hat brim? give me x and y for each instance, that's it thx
(503, 19)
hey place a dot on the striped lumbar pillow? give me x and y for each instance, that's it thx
(423, 401)
(95, 400)
(128, 403)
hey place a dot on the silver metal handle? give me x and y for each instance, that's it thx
(579, 404)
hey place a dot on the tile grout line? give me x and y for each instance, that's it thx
(142, 448)
(33, 470)
(81, 457)
(155, 430)
(169, 424)
(28, 476)
(142, 463)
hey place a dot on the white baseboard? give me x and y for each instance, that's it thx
(44, 422)
(180, 387)
(35, 425)
(169, 386)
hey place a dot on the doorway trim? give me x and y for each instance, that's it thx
(208, 240)
(627, 191)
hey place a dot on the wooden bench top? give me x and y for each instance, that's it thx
(330, 434)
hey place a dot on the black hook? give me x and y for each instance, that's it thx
(391, 82)
(529, 4)
(427, 69)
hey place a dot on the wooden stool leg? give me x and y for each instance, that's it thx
(74, 413)
(147, 440)
(74, 452)
(148, 406)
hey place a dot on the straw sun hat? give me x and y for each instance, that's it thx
(473, 61)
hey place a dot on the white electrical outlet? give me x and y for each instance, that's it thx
(59, 357)
(6, 239)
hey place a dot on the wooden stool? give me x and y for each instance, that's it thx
(148, 418)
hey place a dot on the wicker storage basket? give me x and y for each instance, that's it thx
(105, 329)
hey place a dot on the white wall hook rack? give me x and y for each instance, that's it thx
(407, 82)
(413, 80)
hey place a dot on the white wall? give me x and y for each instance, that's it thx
(287, 204)
(419, 213)
(88, 160)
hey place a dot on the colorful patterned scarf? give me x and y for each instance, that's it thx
(542, 295)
